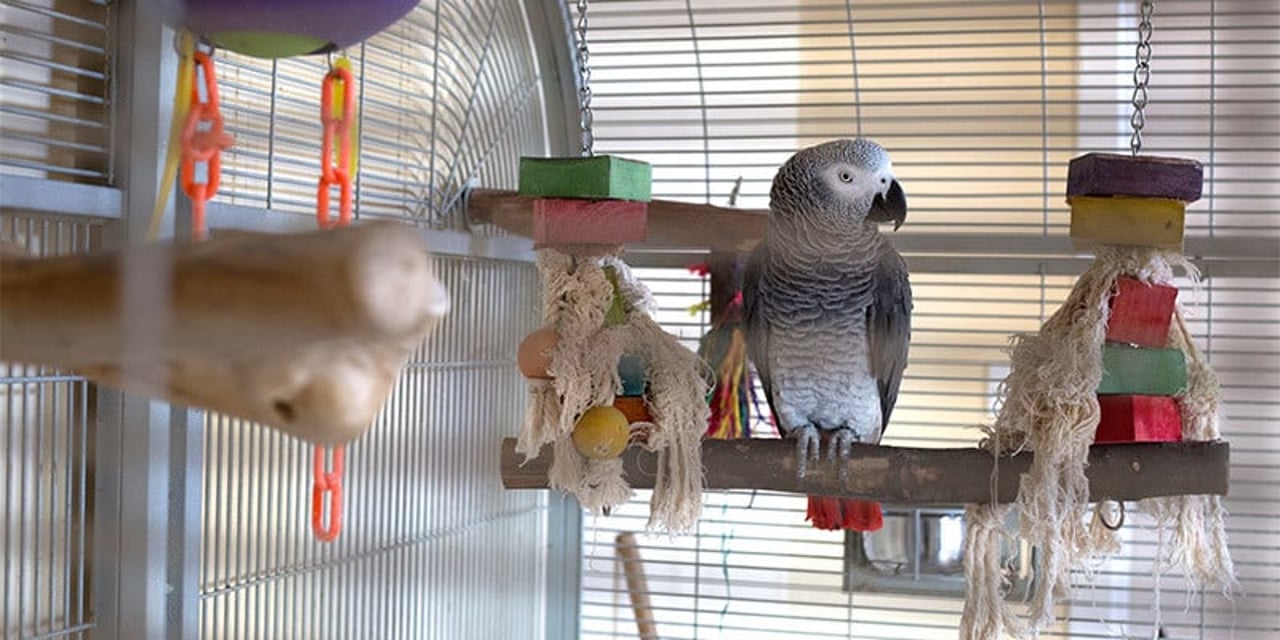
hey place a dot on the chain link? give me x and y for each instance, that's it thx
(586, 118)
(1141, 76)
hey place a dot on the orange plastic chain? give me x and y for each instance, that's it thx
(203, 140)
(327, 481)
(338, 124)
(338, 118)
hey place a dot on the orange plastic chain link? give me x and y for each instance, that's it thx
(327, 481)
(336, 125)
(203, 140)
(335, 170)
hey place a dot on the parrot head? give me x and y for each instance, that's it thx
(838, 182)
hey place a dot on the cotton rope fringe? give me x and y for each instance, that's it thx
(1049, 406)
(584, 373)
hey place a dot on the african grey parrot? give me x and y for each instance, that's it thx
(827, 307)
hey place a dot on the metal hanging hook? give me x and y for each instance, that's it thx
(586, 118)
(1141, 76)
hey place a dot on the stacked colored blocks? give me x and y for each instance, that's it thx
(595, 200)
(1136, 201)
(1124, 200)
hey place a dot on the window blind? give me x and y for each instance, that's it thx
(982, 105)
(54, 102)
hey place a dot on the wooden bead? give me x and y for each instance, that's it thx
(1147, 222)
(595, 177)
(564, 221)
(1132, 418)
(1141, 313)
(534, 354)
(1111, 174)
(1141, 371)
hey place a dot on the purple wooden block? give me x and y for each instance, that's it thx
(1111, 174)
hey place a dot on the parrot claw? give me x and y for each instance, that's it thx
(808, 445)
(842, 445)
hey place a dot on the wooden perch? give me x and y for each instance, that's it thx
(302, 332)
(901, 475)
(628, 550)
(670, 224)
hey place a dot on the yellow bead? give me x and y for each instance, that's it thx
(601, 433)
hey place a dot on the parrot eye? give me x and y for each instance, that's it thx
(845, 176)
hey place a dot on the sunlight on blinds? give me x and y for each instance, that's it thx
(981, 105)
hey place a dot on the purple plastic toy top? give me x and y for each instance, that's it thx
(343, 23)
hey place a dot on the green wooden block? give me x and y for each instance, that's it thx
(1141, 371)
(600, 177)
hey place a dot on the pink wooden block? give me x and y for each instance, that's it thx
(1141, 313)
(569, 221)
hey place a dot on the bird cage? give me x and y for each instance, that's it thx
(128, 517)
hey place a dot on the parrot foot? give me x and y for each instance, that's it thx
(808, 446)
(842, 445)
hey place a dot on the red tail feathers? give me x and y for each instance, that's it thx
(834, 514)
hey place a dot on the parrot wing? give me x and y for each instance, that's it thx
(889, 328)
(753, 320)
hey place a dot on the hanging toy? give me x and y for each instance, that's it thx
(338, 166)
(285, 28)
(601, 364)
(724, 349)
(1115, 363)
(197, 139)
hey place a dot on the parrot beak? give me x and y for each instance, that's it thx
(890, 206)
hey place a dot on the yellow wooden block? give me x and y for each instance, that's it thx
(1148, 222)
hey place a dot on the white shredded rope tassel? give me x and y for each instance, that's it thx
(584, 373)
(1049, 406)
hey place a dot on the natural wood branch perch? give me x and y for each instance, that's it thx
(303, 332)
(670, 224)
(901, 475)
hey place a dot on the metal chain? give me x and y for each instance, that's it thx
(586, 119)
(1141, 76)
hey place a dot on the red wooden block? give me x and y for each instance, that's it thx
(1139, 419)
(570, 221)
(1141, 313)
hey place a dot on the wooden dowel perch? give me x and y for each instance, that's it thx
(628, 550)
(669, 224)
(901, 475)
(302, 332)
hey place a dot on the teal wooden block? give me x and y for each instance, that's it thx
(1140, 371)
(598, 177)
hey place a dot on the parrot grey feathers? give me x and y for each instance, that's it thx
(826, 298)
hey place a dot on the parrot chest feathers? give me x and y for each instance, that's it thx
(821, 376)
